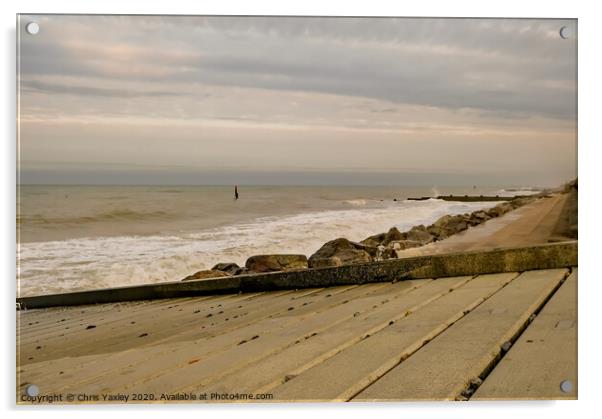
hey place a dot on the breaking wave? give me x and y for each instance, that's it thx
(356, 202)
(525, 190)
(100, 262)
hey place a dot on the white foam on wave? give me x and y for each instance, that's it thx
(356, 202)
(518, 191)
(92, 263)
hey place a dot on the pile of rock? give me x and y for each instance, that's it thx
(255, 264)
(378, 247)
(385, 245)
(344, 252)
(274, 263)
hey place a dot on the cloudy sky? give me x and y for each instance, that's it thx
(139, 99)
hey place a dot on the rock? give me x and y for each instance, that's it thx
(480, 215)
(273, 263)
(231, 268)
(378, 252)
(572, 185)
(456, 224)
(420, 234)
(519, 202)
(392, 235)
(500, 209)
(449, 225)
(384, 253)
(374, 241)
(210, 273)
(403, 244)
(437, 229)
(383, 238)
(438, 233)
(477, 217)
(340, 252)
(372, 251)
(442, 222)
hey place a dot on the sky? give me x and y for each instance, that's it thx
(296, 100)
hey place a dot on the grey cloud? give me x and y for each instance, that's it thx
(93, 91)
(494, 66)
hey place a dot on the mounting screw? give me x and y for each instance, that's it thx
(32, 28)
(32, 390)
(566, 386)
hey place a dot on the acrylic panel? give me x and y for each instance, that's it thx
(295, 209)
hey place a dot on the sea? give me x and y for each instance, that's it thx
(73, 238)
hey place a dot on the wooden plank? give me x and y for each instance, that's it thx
(82, 338)
(39, 321)
(74, 318)
(199, 328)
(78, 315)
(343, 375)
(186, 365)
(444, 368)
(543, 356)
(114, 334)
(276, 369)
(104, 369)
(177, 364)
(243, 308)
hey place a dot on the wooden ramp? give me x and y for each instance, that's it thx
(495, 336)
(543, 357)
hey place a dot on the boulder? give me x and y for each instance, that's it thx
(206, 274)
(383, 238)
(442, 222)
(480, 215)
(378, 252)
(384, 253)
(437, 229)
(439, 233)
(449, 225)
(392, 235)
(477, 217)
(420, 234)
(403, 244)
(456, 224)
(228, 267)
(341, 252)
(374, 241)
(273, 263)
(519, 202)
(500, 209)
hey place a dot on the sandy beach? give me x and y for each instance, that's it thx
(533, 224)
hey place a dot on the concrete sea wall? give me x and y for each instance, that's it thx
(549, 256)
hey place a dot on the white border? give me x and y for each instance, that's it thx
(589, 160)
